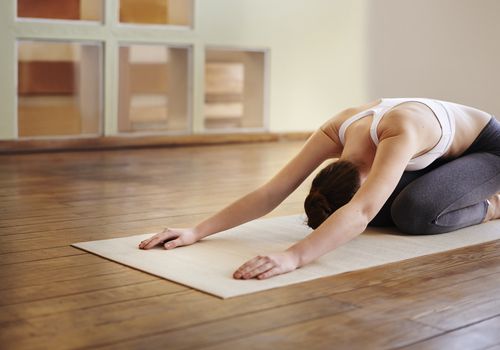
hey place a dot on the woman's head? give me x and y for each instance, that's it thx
(333, 187)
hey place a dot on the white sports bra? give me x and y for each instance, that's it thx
(442, 111)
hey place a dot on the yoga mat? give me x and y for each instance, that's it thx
(209, 264)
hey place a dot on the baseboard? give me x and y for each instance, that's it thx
(118, 142)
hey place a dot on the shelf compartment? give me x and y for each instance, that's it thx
(59, 88)
(234, 89)
(153, 88)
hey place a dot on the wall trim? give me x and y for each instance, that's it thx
(121, 142)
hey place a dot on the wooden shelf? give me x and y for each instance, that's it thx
(234, 89)
(88, 10)
(153, 88)
(158, 12)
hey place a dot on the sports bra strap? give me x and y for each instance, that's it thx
(377, 116)
(351, 120)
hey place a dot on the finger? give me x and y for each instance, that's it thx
(150, 242)
(259, 270)
(154, 242)
(249, 265)
(144, 242)
(270, 273)
(159, 238)
(172, 244)
(147, 240)
(246, 266)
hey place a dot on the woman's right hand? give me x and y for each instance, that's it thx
(170, 238)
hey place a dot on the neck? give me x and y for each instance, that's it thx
(363, 168)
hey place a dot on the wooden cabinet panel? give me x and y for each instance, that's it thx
(148, 78)
(59, 88)
(48, 116)
(46, 77)
(143, 11)
(67, 9)
(162, 12)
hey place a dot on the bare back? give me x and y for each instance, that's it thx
(407, 116)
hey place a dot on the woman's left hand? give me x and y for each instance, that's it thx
(265, 266)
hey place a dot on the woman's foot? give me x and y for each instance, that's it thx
(493, 212)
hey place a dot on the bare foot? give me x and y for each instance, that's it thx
(493, 212)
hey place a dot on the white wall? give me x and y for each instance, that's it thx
(317, 49)
(446, 49)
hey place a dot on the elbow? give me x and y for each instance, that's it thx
(358, 218)
(363, 222)
(368, 214)
(365, 210)
(363, 215)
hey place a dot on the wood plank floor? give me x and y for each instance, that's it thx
(53, 296)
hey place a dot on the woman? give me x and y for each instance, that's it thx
(425, 165)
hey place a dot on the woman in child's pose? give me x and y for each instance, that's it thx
(424, 165)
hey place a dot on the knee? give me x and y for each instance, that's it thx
(413, 215)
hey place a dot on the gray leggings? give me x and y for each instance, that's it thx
(448, 194)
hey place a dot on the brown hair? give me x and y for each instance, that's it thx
(332, 188)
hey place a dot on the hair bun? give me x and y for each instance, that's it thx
(333, 187)
(317, 208)
(322, 202)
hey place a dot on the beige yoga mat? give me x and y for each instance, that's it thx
(209, 264)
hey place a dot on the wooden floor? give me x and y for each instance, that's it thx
(53, 296)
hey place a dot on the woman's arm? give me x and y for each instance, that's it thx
(317, 149)
(323, 144)
(393, 154)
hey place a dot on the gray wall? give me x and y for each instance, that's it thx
(445, 49)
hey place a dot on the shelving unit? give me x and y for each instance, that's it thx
(137, 68)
